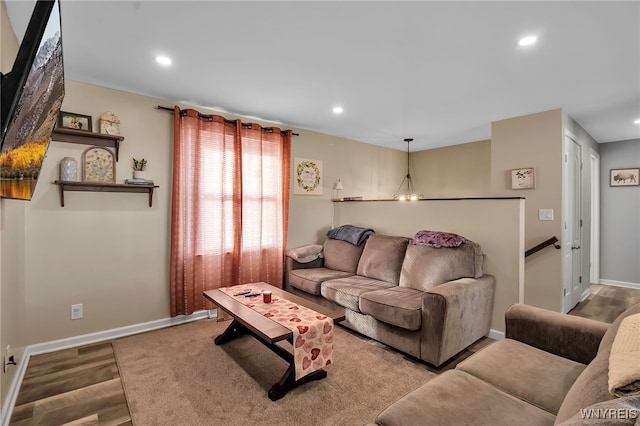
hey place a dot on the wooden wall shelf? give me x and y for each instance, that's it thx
(87, 138)
(103, 187)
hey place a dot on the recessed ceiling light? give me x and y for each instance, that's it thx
(637, 121)
(337, 110)
(163, 60)
(527, 41)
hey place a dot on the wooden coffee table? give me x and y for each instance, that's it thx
(268, 332)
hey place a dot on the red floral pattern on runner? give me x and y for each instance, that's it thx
(312, 331)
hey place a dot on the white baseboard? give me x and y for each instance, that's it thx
(584, 296)
(495, 334)
(635, 286)
(85, 339)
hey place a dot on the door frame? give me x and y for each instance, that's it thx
(594, 255)
(567, 223)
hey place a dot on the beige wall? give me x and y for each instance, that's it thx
(12, 228)
(8, 41)
(108, 251)
(534, 141)
(455, 171)
(494, 224)
(367, 170)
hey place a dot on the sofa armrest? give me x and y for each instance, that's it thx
(291, 264)
(454, 315)
(572, 337)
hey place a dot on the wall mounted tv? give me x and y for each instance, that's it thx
(31, 97)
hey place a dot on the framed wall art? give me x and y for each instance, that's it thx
(624, 177)
(524, 178)
(307, 176)
(98, 165)
(70, 120)
(109, 124)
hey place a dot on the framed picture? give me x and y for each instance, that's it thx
(308, 177)
(98, 165)
(523, 178)
(109, 124)
(624, 177)
(70, 120)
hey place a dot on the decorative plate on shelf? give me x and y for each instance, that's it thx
(98, 165)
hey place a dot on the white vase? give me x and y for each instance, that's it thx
(139, 174)
(68, 169)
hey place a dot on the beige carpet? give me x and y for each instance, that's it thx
(178, 376)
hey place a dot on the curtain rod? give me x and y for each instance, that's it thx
(200, 115)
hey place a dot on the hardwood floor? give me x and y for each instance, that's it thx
(82, 386)
(79, 386)
(606, 302)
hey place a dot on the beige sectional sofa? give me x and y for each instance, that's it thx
(428, 302)
(550, 369)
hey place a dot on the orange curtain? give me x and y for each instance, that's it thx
(229, 207)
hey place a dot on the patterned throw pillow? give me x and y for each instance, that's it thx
(438, 239)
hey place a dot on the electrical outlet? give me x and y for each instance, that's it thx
(7, 361)
(76, 311)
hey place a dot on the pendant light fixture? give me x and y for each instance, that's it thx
(410, 194)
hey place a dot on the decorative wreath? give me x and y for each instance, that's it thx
(300, 180)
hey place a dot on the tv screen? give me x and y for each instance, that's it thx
(32, 95)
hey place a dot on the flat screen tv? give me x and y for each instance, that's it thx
(32, 95)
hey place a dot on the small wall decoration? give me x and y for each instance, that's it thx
(70, 120)
(109, 124)
(308, 176)
(524, 178)
(624, 177)
(98, 165)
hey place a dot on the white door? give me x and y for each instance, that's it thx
(572, 226)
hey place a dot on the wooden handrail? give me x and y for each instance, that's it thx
(551, 241)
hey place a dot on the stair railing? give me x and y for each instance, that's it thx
(550, 242)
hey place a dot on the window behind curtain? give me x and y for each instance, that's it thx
(229, 209)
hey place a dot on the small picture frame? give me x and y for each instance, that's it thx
(70, 120)
(524, 178)
(109, 124)
(624, 177)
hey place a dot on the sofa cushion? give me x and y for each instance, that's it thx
(399, 306)
(425, 267)
(530, 374)
(382, 258)
(458, 398)
(310, 279)
(341, 255)
(346, 291)
(592, 386)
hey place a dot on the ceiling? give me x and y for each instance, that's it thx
(439, 72)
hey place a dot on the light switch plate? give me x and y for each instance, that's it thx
(545, 214)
